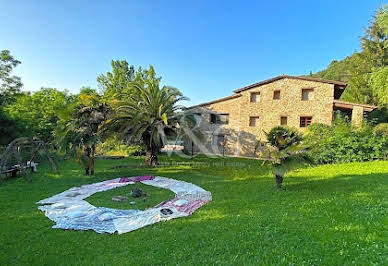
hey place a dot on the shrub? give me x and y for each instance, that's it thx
(283, 137)
(381, 130)
(342, 143)
(286, 152)
(317, 131)
(379, 115)
(115, 147)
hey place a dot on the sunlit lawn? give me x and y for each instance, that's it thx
(327, 215)
(152, 197)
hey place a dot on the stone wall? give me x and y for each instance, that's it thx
(243, 139)
(357, 115)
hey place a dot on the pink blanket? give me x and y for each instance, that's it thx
(135, 178)
(189, 208)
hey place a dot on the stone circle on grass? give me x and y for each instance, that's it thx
(69, 210)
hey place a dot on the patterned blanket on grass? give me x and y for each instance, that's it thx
(69, 210)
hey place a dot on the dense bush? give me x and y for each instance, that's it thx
(115, 147)
(381, 129)
(343, 143)
(9, 128)
(378, 116)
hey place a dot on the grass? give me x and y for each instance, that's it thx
(327, 215)
(153, 197)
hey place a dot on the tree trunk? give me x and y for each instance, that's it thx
(148, 158)
(91, 166)
(87, 159)
(279, 181)
(154, 159)
(192, 150)
(151, 158)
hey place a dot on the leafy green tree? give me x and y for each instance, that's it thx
(379, 85)
(115, 87)
(150, 113)
(39, 111)
(370, 62)
(9, 128)
(375, 41)
(363, 70)
(9, 85)
(378, 116)
(285, 152)
(89, 91)
(116, 83)
(336, 70)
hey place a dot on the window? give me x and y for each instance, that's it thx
(222, 119)
(197, 118)
(307, 94)
(305, 121)
(276, 95)
(283, 120)
(255, 97)
(253, 121)
(213, 118)
(218, 140)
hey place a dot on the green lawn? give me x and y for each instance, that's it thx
(153, 197)
(327, 215)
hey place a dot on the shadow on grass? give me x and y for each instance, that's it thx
(338, 183)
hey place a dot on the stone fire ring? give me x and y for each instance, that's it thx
(69, 210)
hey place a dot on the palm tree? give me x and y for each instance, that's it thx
(150, 113)
(285, 152)
(82, 130)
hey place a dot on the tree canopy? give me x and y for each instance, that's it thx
(365, 71)
(9, 84)
(139, 109)
(39, 112)
(149, 112)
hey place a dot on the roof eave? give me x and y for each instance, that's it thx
(215, 101)
(350, 105)
(339, 83)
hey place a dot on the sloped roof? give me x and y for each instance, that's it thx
(349, 105)
(237, 92)
(216, 101)
(340, 83)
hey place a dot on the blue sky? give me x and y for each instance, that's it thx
(205, 48)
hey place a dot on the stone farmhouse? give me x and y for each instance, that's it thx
(236, 125)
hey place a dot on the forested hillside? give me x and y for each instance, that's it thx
(365, 71)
